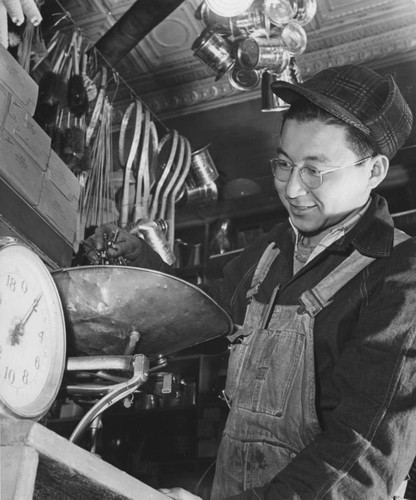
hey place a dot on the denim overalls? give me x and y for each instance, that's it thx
(271, 381)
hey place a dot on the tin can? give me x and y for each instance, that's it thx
(198, 196)
(249, 21)
(244, 79)
(215, 51)
(269, 100)
(220, 24)
(258, 53)
(203, 170)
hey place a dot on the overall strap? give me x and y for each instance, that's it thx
(320, 296)
(263, 267)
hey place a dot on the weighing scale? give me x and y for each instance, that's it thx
(105, 327)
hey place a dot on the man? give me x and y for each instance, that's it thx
(321, 380)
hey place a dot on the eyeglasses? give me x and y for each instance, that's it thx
(310, 176)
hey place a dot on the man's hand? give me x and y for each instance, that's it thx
(126, 245)
(179, 494)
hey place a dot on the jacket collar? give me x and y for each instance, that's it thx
(373, 235)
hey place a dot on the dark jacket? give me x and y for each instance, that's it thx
(365, 352)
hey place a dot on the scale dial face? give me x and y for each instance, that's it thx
(32, 333)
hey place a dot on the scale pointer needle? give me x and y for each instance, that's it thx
(18, 330)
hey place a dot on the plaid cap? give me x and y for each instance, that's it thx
(360, 97)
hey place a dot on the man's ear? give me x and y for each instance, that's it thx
(379, 169)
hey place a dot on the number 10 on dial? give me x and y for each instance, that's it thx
(32, 333)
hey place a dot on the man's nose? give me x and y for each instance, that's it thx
(294, 186)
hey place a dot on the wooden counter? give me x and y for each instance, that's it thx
(37, 463)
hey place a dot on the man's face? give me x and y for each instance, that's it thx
(341, 193)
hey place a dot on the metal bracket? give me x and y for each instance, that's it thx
(115, 393)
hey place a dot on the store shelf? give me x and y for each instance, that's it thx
(247, 206)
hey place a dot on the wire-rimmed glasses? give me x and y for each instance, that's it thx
(311, 176)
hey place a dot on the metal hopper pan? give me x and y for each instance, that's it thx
(103, 304)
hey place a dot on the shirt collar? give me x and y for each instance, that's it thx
(372, 235)
(338, 230)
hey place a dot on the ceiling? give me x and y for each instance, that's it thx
(162, 70)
